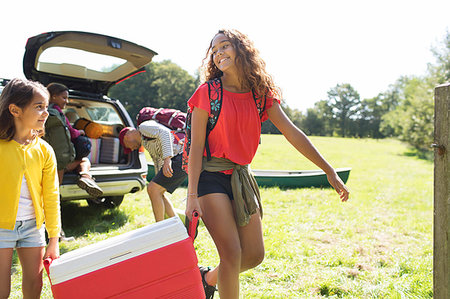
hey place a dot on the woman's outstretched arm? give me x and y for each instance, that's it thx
(302, 143)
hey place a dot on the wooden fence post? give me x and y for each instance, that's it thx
(441, 247)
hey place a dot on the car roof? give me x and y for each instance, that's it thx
(68, 57)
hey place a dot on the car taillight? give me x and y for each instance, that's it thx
(141, 149)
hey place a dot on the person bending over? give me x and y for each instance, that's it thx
(166, 152)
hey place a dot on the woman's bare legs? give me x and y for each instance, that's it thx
(160, 204)
(252, 243)
(5, 271)
(240, 248)
(32, 267)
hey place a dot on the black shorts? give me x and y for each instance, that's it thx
(178, 177)
(214, 182)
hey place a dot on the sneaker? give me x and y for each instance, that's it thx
(209, 290)
(88, 184)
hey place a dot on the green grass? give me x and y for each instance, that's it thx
(377, 245)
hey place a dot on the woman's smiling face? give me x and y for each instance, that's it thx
(223, 53)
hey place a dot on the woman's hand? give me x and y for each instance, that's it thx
(167, 167)
(82, 132)
(52, 250)
(338, 185)
(191, 206)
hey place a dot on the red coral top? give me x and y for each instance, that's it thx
(238, 129)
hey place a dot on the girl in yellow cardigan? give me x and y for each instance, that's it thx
(28, 184)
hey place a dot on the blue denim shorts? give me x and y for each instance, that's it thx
(25, 234)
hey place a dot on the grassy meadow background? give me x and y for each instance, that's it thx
(376, 245)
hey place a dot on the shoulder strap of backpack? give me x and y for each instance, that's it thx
(215, 94)
(156, 113)
(260, 103)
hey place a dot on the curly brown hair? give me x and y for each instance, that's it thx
(251, 67)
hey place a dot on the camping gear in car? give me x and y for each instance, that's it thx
(94, 155)
(92, 129)
(155, 261)
(112, 130)
(109, 150)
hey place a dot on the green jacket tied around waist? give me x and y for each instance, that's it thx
(245, 190)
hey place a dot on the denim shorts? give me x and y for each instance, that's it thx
(25, 234)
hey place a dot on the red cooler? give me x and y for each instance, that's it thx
(156, 261)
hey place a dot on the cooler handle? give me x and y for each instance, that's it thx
(192, 225)
(47, 262)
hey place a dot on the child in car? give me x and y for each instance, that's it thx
(71, 155)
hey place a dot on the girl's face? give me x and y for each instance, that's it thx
(33, 116)
(61, 99)
(223, 53)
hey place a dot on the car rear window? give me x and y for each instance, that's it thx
(104, 115)
(88, 60)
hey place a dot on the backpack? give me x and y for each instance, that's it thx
(171, 118)
(215, 94)
(58, 136)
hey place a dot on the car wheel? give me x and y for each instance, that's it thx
(109, 202)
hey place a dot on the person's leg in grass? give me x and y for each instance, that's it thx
(168, 207)
(252, 243)
(32, 267)
(252, 248)
(6, 255)
(219, 220)
(160, 204)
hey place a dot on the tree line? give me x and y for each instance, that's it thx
(404, 111)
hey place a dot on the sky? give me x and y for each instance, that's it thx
(309, 46)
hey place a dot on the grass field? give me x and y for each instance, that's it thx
(377, 245)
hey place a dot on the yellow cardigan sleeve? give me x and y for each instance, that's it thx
(50, 192)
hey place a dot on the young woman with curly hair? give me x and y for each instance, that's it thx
(222, 190)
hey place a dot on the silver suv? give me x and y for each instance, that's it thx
(89, 64)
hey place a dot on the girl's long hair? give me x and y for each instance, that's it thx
(19, 92)
(251, 67)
